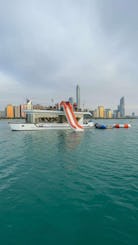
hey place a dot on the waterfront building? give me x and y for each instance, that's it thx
(23, 107)
(115, 113)
(2, 114)
(78, 96)
(118, 114)
(9, 111)
(17, 112)
(101, 111)
(75, 108)
(57, 106)
(39, 107)
(108, 113)
(29, 105)
(71, 100)
(96, 113)
(122, 107)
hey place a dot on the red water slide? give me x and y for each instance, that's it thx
(71, 116)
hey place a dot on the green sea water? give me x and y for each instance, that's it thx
(62, 187)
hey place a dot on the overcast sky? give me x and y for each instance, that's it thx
(47, 47)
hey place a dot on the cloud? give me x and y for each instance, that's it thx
(9, 87)
(50, 46)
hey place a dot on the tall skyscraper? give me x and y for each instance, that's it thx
(78, 96)
(122, 107)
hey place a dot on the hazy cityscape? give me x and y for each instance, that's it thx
(18, 111)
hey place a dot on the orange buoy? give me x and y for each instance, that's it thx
(126, 125)
(117, 126)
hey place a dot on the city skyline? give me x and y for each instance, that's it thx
(17, 111)
(121, 108)
(48, 46)
(100, 111)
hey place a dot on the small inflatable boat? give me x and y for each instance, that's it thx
(100, 126)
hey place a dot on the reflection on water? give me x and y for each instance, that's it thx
(69, 140)
(64, 139)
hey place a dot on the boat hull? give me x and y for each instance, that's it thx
(43, 126)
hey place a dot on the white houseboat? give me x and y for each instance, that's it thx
(51, 119)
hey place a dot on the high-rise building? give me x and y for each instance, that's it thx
(78, 96)
(10, 111)
(23, 107)
(122, 107)
(108, 113)
(96, 113)
(71, 100)
(29, 104)
(115, 112)
(17, 112)
(2, 114)
(101, 111)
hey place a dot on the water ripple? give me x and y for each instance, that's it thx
(66, 183)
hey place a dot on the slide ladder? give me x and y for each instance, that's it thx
(71, 116)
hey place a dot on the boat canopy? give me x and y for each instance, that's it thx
(35, 116)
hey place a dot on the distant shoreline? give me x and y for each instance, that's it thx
(94, 118)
